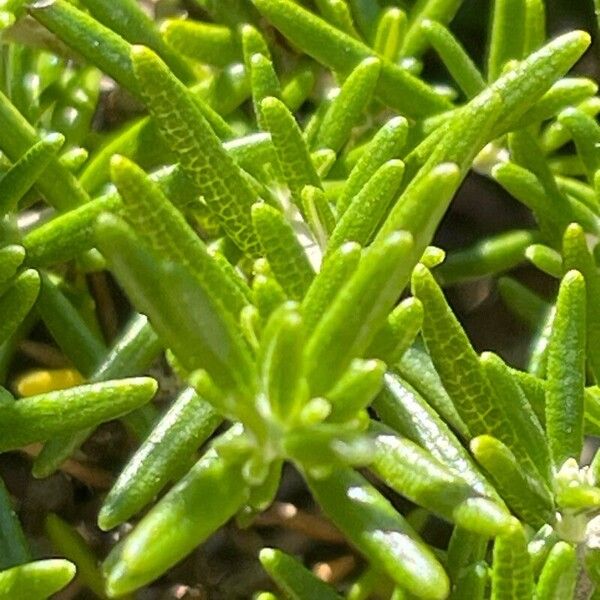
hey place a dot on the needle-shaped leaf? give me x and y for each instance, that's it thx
(267, 294)
(164, 229)
(471, 582)
(347, 107)
(318, 213)
(577, 256)
(401, 90)
(207, 497)
(385, 145)
(185, 426)
(391, 29)
(358, 310)
(27, 170)
(438, 10)
(38, 579)
(488, 256)
(264, 83)
(402, 408)
(293, 157)
(369, 207)
(586, 135)
(281, 362)
(546, 259)
(417, 475)
(41, 417)
(128, 19)
(333, 275)
(559, 575)
(356, 389)
(283, 250)
(203, 335)
(198, 149)
(456, 60)
(512, 577)
(464, 548)
(17, 301)
(11, 258)
(566, 371)
(14, 549)
(372, 525)
(337, 12)
(507, 40)
(293, 578)
(398, 333)
(416, 368)
(532, 502)
(71, 544)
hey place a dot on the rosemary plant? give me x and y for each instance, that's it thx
(267, 201)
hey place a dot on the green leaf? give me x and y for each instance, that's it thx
(203, 335)
(164, 230)
(525, 496)
(11, 258)
(456, 60)
(559, 575)
(546, 259)
(27, 170)
(293, 578)
(292, 154)
(206, 498)
(386, 144)
(471, 583)
(286, 256)
(41, 417)
(38, 579)
(417, 475)
(347, 107)
(263, 83)
(14, 549)
(70, 544)
(372, 525)
(404, 410)
(369, 207)
(358, 310)
(198, 149)
(586, 135)
(566, 371)
(391, 30)
(167, 450)
(512, 577)
(17, 301)
(488, 256)
(507, 40)
(340, 52)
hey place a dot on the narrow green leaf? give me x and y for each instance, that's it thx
(197, 148)
(402, 408)
(39, 418)
(391, 30)
(455, 59)
(358, 310)
(532, 502)
(512, 577)
(333, 275)
(417, 475)
(207, 497)
(369, 207)
(318, 213)
(293, 578)
(372, 525)
(347, 107)
(508, 35)
(402, 91)
(338, 14)
(17, 301)
(70, 544)
(527, 305)
(586, 135)
(38, 579)
(386, 145)
(546, 259)
(27, 170)
(471, 582)
(264, 83)
(488, 256)
(559, 575)
(566, 371)
(292, 153)
(11, 258)
(128, 19)
(535, 26)
(464, 549)
(14, 549)
(164, 229)
(182, 430)
(203, 335)
(283, 250)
